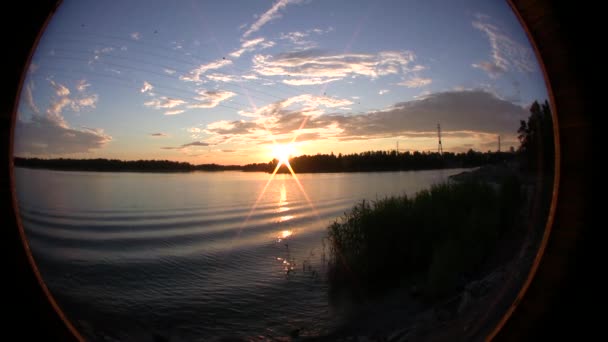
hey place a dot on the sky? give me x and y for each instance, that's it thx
(227, 81)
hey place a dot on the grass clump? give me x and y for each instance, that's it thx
(434, 241)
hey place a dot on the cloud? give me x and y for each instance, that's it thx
(174, 111)
(184, 146)
(82, 85)
(383, 91)
(506, 54)
(97, 53)
(146, 87)
(272, 13)
(84, 102)
(298, 38)
(159, 134)
(164, 102)
(196, 143)
(195, 74)
(29, 98)
(136, 35)
(416, 82)
(211, 98)
(217, 77)
(465, 111)
(310, 81)
(305, 104)
(50, 135)
(56, 106)
(233, 127)
(169, 71)
(177, 45)
(316, 67)
(60, 89)
(473, 114)
(228, 151)
(250, 45)
(63, 100)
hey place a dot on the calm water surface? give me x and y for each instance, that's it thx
(190, 256)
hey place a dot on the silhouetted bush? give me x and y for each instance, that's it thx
(433, 240)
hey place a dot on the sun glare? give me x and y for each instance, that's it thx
(282, 152)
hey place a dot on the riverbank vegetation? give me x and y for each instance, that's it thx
(435, 242)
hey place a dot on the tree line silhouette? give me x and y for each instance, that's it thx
(356, 162)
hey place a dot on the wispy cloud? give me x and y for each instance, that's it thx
(299, 38)
(251, 45)
(159, 134)
(84, 102)
(383, 91)
(416, 82)
(97, 53)
(195, 74)
(64, 100)
(164, 102)
(169, 71)
(174, 111)
(184, 146)
(272, 13)
(56, 106)
(29, 98)
(310, 81)
(136, 35)
(316, 67)
(305, 104)
(146, 87)
(506, 54)
(217, 77)
(60, 89)
(211, 98)
(177, 45)
(82, 85)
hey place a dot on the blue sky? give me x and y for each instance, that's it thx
(224, 82)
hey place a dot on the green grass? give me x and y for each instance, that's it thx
(434, 240)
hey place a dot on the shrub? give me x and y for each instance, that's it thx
(433, 240)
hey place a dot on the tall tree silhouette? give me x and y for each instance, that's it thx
(537, 147)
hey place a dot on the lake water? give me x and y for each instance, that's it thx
(191, 256)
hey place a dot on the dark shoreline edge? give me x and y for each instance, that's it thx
(372, 161)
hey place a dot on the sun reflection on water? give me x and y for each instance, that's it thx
(285, 233)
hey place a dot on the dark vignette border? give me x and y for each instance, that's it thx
(554, 301)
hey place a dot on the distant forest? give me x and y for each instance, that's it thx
(357, 162)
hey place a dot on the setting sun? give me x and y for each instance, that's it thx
(282, 152)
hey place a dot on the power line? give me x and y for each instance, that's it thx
(439, 147)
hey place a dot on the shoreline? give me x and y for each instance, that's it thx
(469, 314)
(244, 171)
